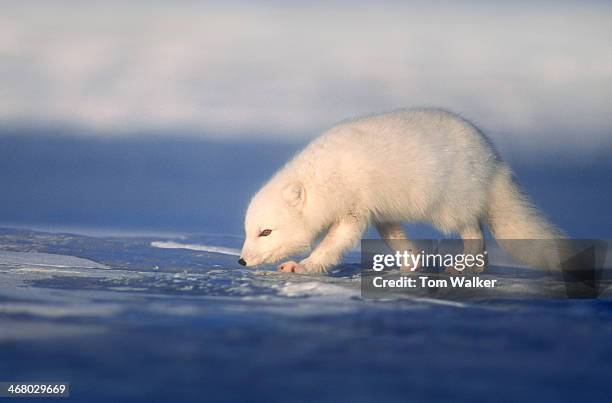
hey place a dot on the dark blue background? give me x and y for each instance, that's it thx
(186, 184)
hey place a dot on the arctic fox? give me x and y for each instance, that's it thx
(426, 165)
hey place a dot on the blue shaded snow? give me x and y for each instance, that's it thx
(137, 319)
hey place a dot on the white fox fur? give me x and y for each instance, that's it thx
(424, 165)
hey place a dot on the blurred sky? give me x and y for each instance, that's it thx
(540, 72)
(170, 115)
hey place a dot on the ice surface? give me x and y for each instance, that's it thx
(26, 259)
(204, 248)
(122, 318)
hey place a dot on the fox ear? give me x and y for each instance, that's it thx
(295, 194)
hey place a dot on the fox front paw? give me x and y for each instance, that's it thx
(304, 267)
(291, 267)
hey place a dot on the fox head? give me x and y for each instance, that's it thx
(274, 225)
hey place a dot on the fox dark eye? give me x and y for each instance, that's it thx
(265, 232)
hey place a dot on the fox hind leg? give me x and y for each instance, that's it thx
(395, 238)
(473, 244)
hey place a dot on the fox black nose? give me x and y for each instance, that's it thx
(242, 262)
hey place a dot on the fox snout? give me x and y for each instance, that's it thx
(249, 260)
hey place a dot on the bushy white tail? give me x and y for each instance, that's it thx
(519, 227)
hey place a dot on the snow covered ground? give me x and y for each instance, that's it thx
(160, 319)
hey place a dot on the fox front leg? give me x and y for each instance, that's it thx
(340, 237)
